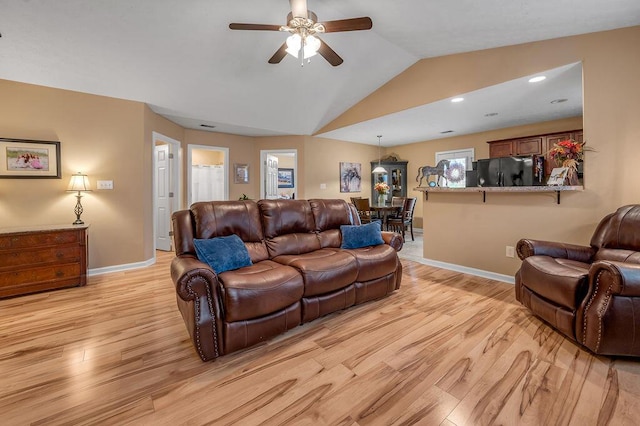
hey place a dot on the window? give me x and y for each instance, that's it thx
(459, 161)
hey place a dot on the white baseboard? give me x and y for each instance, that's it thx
(121, 268)
(463, 269)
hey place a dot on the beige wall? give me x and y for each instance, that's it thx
(322, 166)
(459, 228)
(111, 139)
(207, 157)
(241, 151)
(284, 143)
(99, 136)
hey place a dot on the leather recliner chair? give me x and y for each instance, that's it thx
(589, 293)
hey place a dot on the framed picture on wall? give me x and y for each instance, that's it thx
(240, 173)
(24, 158)
(285, 178)
(350, 177)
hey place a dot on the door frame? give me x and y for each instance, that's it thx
(225, 166)
(263, 171)
(175, 174)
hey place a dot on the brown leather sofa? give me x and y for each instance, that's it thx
(589, 293)
(298, 272)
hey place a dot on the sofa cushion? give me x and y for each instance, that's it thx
(259, 289)
(329, 215)
(374, 261)
(357, 236)
(618, 255)
(289, 227)
(222, 253)
(561, 281)
(222, 218)
(323, 270)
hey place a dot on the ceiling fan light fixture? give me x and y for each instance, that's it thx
(310, 48)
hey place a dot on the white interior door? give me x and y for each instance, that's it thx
(163, 198)
(271, 177)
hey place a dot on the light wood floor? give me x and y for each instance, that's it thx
(447, 349)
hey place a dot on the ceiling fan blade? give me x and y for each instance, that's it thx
(279, 55)
(328, 53)
(353, 24)
(298, 8)
(256, 27)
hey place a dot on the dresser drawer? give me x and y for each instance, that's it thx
(40, 258)
(58, 254)
(27, 275)
(38, 239)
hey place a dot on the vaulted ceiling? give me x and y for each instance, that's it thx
(182, 59)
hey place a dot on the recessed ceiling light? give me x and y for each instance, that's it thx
(559, 101)
(457, 99)
(208, 126)
(537, 79)
(491, 114)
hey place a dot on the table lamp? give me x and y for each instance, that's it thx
(80, 183)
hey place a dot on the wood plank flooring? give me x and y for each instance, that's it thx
(447, 349)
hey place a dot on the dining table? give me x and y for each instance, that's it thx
(383, 211)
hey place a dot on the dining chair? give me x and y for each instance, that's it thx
(400, 224)
(364, 210)
(397, 202)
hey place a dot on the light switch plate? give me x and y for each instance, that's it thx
(105, 184)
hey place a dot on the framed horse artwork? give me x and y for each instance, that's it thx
(350, 177)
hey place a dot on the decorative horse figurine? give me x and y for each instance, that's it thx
(428, 171)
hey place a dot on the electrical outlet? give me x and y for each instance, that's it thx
(105, 184)
(510, 252)
(323, 186)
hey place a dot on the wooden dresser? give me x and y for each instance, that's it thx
(34, 259)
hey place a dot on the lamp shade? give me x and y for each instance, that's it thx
(79, 182)
(379, 169)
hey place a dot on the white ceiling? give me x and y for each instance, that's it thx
(181, 58)
(513, 103)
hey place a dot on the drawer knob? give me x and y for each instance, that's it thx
(59, 274)
(59, 255)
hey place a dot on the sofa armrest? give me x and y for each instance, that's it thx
(393, 239)
(526, 248)
(606, 320)
(618, 278)
(184, 268)
(200, 305)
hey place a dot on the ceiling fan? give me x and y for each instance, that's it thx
(304, 27)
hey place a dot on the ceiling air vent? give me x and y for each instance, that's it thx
(208, 126)
(447, 131)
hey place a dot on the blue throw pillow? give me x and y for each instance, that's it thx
(356, 236)
(223, 253)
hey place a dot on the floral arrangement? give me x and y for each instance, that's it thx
(567, 153)
(381, 187)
